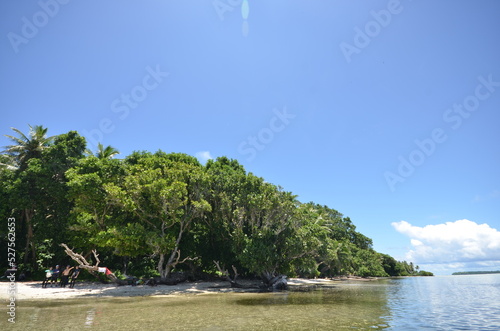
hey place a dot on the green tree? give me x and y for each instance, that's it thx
(214, 238)
(16, 157)
(165, 192)
(38, 193)
(7, 162)
(29, 146)
(155, 205)
(265, 229)
(369, 263)
(389, 264)
(96, 219)
(102, 152)
(7, 176)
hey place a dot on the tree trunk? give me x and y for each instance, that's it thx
(172, 261)
(92, 269)
(165, 270)
(161, 269)
(30, 247)
(125, 265)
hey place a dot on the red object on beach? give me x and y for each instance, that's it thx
(104, 270)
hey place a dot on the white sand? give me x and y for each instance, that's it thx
(34, 290)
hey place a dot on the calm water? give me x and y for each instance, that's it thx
(425, 303)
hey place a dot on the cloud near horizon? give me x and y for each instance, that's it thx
(454, 243)
(204, 156)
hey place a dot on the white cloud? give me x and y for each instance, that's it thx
(451, 243)
(203, 156)
(449, 268)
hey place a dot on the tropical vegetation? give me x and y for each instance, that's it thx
(150, 214)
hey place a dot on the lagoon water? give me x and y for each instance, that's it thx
(416, 303)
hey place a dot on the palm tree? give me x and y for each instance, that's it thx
(104, 152)
(16, 157)
(27, 147)
(7, 162)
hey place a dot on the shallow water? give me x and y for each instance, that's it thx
(469, 302)
(433, 303)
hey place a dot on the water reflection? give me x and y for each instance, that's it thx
(347, 306)
(434, 303)
(445, 303)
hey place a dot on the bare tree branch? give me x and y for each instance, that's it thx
(84, 264)
(226, 274)
(235, 272)
(223, 272)
(96, 256)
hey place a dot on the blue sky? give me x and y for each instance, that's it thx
(387, 111)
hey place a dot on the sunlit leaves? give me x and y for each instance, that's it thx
(168, 207)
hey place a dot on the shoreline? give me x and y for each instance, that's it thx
(32, 290)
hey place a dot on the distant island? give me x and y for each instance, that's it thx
(475, 272)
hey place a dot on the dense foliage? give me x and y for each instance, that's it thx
(153, 213)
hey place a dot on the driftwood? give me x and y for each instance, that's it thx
(92, 269)
(271, 282)
(274, 283)
(226, 274)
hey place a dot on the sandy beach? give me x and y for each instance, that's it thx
(34, 290)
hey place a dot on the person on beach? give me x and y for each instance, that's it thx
(48, 276)
(55, 275)
(74, 276)
(65, 275)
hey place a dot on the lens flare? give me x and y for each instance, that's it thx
(245, 10)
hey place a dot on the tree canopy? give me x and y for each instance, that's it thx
(153, 213)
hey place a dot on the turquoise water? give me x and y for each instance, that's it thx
(421, 303)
